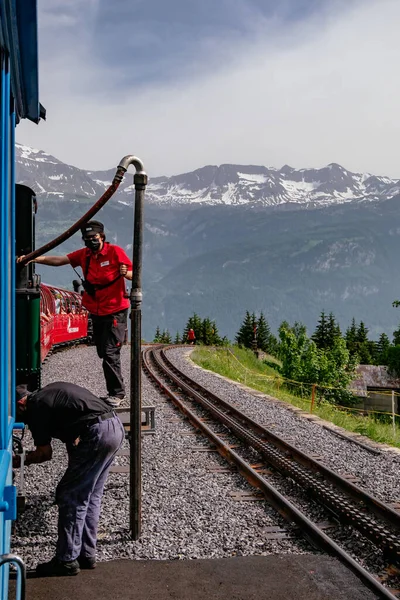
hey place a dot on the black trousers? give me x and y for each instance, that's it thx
(109, 335)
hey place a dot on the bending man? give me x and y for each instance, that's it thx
(93, 434)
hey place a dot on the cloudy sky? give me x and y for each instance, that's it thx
(184, 83)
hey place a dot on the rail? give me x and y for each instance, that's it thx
(153, 361)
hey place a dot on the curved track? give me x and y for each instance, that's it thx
(349, 504)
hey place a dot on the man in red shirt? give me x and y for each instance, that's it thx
(105, 268)
(191, 337)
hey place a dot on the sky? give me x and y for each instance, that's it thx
(187, 83)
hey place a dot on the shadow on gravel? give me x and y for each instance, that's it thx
(35, 516)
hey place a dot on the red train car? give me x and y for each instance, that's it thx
(62, 318)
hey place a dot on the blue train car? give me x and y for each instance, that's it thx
(19, 100)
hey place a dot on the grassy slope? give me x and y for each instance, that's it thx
(246, 369)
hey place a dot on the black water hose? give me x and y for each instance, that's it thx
(121, 170)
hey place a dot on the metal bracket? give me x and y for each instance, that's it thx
(9, 505)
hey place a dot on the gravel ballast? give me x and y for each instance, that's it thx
(377, 473)
(187, 510)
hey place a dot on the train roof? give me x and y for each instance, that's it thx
(18, 37)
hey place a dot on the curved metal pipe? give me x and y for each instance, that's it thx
(121, 170)
(21, 581)
(128, 160)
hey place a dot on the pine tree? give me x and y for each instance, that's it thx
(177, 338)
(194, 322)
(299, 330)
(215, 339)
(166, 337)
(157, 336)
(263, 334)
(362, 333)
(363, 345)
(245, 335)
(383, 345)
(351, 337)
(396, 337)
(207, 332)
(320, 335)
(333, 331)
(273, 345)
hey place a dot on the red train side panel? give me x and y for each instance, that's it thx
(62, 318)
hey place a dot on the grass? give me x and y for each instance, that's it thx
(241, 365)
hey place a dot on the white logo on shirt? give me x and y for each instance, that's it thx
(105, 264)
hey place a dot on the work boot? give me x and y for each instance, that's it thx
(57, 568)
(87, 562)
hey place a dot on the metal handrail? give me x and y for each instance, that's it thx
(21, 580)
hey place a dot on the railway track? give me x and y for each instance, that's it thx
(348, 504)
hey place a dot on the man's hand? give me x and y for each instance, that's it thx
(20, 259)
(123, 269)
(39, 455)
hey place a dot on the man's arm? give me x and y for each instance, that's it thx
(125, 263)
(39, 455)
(51, 261)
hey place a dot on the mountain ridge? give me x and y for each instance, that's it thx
(225, 184)
(289, 259)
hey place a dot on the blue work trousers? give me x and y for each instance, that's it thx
(80, 490)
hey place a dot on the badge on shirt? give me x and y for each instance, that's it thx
(105, 264)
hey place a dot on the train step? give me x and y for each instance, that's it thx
(148, 418)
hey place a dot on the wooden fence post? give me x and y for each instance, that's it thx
(393, 415)
(312, 397)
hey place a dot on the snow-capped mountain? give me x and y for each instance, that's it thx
(213, 185)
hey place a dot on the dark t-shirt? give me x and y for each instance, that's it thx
(59, 410)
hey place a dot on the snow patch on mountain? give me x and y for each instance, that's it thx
(231, 185)
(251, 177)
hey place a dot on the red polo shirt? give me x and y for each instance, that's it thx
(103, 267)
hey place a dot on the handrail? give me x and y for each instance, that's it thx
(21, 580)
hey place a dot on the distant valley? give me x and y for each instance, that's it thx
(222, 240)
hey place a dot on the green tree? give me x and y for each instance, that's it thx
(320, 335)
(194, 322)
(340, 372)
(263, 334)
(303, 362)
(351, 337)
(207, 332)
(215, 339)
(157, 336)
(166, 337)
(363, 346)
(394, 361)
(177, 339)
(333, 331)
(299, 355)
(362, 333)
(245, 335)
(396, 337)
(273, 345)
(382, 346)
